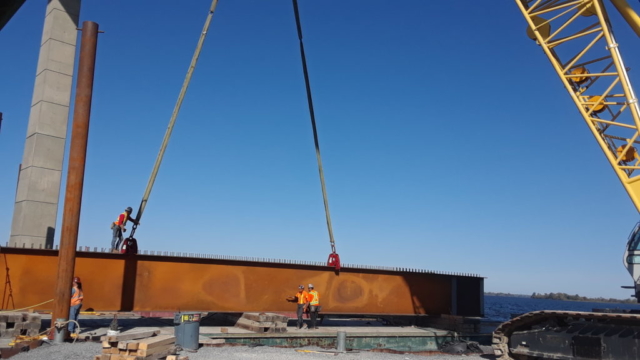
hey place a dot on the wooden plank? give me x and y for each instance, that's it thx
(208, 341)
(125, 357)
(155, 350)
(112, 350)
(170, 350)
(130, 336)
(128, 345)
(160, 355)
(177, 357)
(156, 341)
(118, 357)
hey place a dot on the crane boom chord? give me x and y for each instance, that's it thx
(577, 38)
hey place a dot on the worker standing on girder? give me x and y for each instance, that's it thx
(314, 306)
(76, 303)
(302, 299)
(118, 228)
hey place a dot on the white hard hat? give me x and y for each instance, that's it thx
(311, 286)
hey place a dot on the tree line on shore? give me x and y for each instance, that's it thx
(565, 297)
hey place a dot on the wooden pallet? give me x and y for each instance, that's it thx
(144, 345)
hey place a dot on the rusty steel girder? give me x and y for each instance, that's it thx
(118, 282)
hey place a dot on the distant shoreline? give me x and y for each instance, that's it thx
(564, 297)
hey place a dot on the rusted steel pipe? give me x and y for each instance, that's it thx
(75, 174)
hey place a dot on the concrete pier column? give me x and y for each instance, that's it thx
(36, 206)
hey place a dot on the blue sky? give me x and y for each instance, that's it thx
(448, 141)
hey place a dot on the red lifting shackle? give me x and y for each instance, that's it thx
(334, 260)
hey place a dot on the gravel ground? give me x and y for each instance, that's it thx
(86, 351)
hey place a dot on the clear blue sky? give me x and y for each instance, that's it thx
(448, 141)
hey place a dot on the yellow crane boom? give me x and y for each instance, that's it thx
(577, 38)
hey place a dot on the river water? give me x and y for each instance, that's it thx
(500, 308)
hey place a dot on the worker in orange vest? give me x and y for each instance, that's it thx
(302, 299)
(314, 306)
(118, 228)
(76, 303)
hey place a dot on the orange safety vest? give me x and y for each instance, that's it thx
(126, 217)
(302, 296)
(76, 298)
(315, 298)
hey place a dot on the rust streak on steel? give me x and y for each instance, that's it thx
(75, 174)
(172, 283)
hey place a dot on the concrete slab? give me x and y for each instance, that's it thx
(43, 151)
(52, 87)
(38, 226)
(38, 185)
(71, 7)
(48, 119)
(59, 24)
(55, 55)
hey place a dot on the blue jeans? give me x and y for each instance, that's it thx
(117, 238)
(74, 311)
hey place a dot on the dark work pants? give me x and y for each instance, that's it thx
(313, 310)
(116, 240)
(300, 312)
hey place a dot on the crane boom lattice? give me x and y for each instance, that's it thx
(577, 37)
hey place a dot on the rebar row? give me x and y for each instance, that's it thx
(262, 260)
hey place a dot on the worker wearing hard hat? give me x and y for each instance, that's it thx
(118, 228)
(76, 303)
(314, 306)
(302, 299)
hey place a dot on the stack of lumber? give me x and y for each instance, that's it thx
(142, 345)
(263, 322)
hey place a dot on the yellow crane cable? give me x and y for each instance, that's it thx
(28, 307)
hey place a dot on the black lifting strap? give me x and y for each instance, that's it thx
(333, 257)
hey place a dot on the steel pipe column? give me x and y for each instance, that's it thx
(75, 175)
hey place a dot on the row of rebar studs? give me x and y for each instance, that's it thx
(255, 259)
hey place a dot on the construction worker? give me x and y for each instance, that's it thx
(302, 299)
(76, 303)
(314, 306)
(118, 228)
